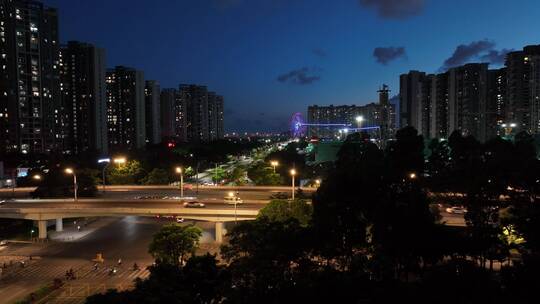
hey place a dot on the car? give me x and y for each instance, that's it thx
(232, 200)
(3, 243)
(456, 210)
(194, 204)
(179, 219)
(280, 195)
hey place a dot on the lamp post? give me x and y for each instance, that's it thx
(359, 120)
(274, 164)
(105, 161)
(231, 194)
(72, 172)
(31, 233)
(120, 160)
(37, 177)
(181, 172)
(293, 174)
(318, 183)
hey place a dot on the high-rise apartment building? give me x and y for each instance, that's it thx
(467, 99)
(84, 107)
(496, 102)
(438, 118)
(328, 121)
(167, 117)
(125, 109)
(153, 113)
(325, 118)
(411, 94)
(198, 114)
(30, 106)
(215, 116)
(196, 100)
(387, 113)
(523, 88)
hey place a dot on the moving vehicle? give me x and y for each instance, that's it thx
(232, 200)
(194, 204)
(3, 243)
(456, 210)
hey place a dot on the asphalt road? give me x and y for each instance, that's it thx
(116, 238)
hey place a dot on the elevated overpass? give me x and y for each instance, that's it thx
(45, 210)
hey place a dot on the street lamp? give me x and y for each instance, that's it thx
(293, 174)
(105, 161)
(274, 164)
(318, 182)
(31, 233)
(72, 172)
(231, 194)
(120, 160)
(359, 120)
(412, 175)
(37, 177)
(181, 172)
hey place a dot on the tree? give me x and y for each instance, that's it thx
(237, 176)
(283, 210)
(261, 174)
(157, 177)
(125, 174)
(173, 243)
(266, 259)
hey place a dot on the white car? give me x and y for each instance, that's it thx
(194, 205)
(456, 210)
(3, 243)
(232, 200)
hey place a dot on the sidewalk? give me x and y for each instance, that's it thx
(71, 233)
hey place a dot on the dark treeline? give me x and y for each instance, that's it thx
(374, 236)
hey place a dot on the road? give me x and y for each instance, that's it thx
(116, 238)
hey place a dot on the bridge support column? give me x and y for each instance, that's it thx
(219, 232)
(59, 225)
(42, 229)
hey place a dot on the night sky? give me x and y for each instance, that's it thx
(270, 58)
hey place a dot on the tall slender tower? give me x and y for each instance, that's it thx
(387, 114)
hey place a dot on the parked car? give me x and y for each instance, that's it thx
(456, 210)
(194, 205)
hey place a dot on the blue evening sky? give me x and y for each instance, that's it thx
(322, 49)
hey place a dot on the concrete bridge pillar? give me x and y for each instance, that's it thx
(59, 225)
(42, 229)
(219, 232)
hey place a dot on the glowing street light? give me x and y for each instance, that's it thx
(293, 174)
(72, 172)
(120, 160)
(181, 172)
(37, 177)
(412, 175)
(105, 161)
(318, 182)
(359, 120)
(274, 164)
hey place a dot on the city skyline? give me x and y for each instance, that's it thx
(293, 54)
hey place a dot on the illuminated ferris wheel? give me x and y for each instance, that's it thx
(298, 126)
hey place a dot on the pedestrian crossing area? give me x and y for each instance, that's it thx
(84, 271)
